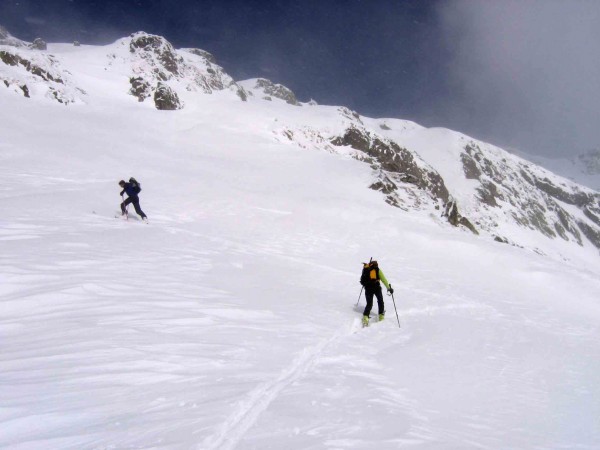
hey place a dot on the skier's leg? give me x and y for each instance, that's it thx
(136, 205)
(369, 299)
(380, 304)
(124, 204)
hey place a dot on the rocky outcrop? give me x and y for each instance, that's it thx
(395, 159)
(402, 174)
(38, 44)
(154, 60)
(203, 53)
(455, 218)
(279, 91)
(156, 49)
(140, 88)
(531, 196)
(14, 59)
(166, 99)
(27, 72)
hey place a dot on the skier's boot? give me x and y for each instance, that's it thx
(381, 317)
(365, 321)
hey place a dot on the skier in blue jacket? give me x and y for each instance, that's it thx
(132, 189)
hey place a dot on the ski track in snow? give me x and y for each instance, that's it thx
(256, 402)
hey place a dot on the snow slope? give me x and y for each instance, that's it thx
(230, 321)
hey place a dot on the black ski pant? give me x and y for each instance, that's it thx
(136, 204)
(369, 292)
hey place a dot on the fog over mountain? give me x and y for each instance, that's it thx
(526, 73)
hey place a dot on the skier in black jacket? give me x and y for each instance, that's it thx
(132, 190)
(370, 278)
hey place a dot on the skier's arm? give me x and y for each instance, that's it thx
(384, 279)
(122, 192)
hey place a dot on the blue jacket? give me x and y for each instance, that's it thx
(129, 189)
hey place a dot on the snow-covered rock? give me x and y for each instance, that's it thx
(37, 74)
(267, 90)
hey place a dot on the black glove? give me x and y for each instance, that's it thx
(391, 290)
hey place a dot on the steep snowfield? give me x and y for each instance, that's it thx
(229, 321)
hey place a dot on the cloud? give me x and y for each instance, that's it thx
(527, 73)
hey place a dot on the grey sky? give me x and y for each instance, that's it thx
(526, 73)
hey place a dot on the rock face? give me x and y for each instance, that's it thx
(267, 90)
(140, 88)
(403, 177)
(478, 187)
(165, 98)
(534, 198)
(154, 60)
(39, 44)
(27, 72)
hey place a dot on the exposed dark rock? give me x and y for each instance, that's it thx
(396, 159)
(349, 114)
(139, 88)
(158, 46)
(593, 213)
(241, 93)
(277, 91)
(76, 43)
(578, 199)
(38, 44)
(25, 90)
(470, 168)
(537, 218)
(387, 186)
(166, 98)
(14, 60)
(455, 218)
(383, 126)
(592, 234)
(488, 193)
(208, 56)
(9, 59)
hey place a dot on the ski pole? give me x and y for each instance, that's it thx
(395, 308)
(126, 208)
(361, 289)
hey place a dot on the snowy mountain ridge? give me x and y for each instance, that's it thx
(469, 182)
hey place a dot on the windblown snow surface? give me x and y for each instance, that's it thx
(230, 320)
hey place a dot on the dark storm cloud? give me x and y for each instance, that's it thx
(526, 73)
